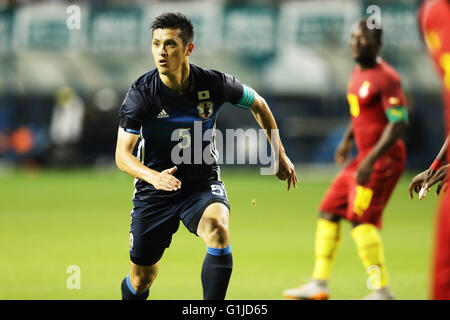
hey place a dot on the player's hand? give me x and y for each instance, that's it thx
(166, 181)
(364, 171)
(342, 154)
(439, 176)
(442, 185)
(286, 171)
(418, 181)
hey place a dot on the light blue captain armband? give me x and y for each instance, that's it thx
(247, 99)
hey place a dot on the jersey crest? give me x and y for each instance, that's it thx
(205, 109)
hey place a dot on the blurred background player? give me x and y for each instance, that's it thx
(66, 127)
(362, 189)
(434, 24)
(171, 97)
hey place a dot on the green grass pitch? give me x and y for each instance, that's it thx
(50, 220)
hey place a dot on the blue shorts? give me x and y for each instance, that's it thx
(154, 222)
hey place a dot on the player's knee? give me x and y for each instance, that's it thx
(215, 232)
(329, 216)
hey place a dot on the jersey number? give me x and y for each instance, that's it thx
(217, 190)
(362, 200)
(354, 104)
(444, 61)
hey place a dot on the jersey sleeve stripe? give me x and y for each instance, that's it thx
(247, 99)
(397, 114)
(132, 131)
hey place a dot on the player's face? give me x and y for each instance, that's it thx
(363, 44)
(169, 51)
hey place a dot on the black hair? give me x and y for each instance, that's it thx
(170, 20)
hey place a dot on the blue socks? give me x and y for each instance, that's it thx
(216, 272)
(128, 292)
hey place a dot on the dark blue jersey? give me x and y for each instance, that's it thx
(163, 118)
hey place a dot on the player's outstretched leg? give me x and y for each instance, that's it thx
(326, 244)
(370, 249)
(136, 285)
(218, 263)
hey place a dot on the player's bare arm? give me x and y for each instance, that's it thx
(440, 159)
(438, 162)
(266, 121)
(129, 164)
(391, 133)
(344, 148)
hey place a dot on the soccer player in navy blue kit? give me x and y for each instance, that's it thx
(173, 97)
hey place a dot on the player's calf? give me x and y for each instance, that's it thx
(328, 236)
(130, 293)
(140, 283)
(218, 262)
(136, 285)
(371, 252)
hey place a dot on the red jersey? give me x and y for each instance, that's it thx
(434, 22)
(371, 92)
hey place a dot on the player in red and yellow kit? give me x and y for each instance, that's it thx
(362, 189)
(434, 24)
